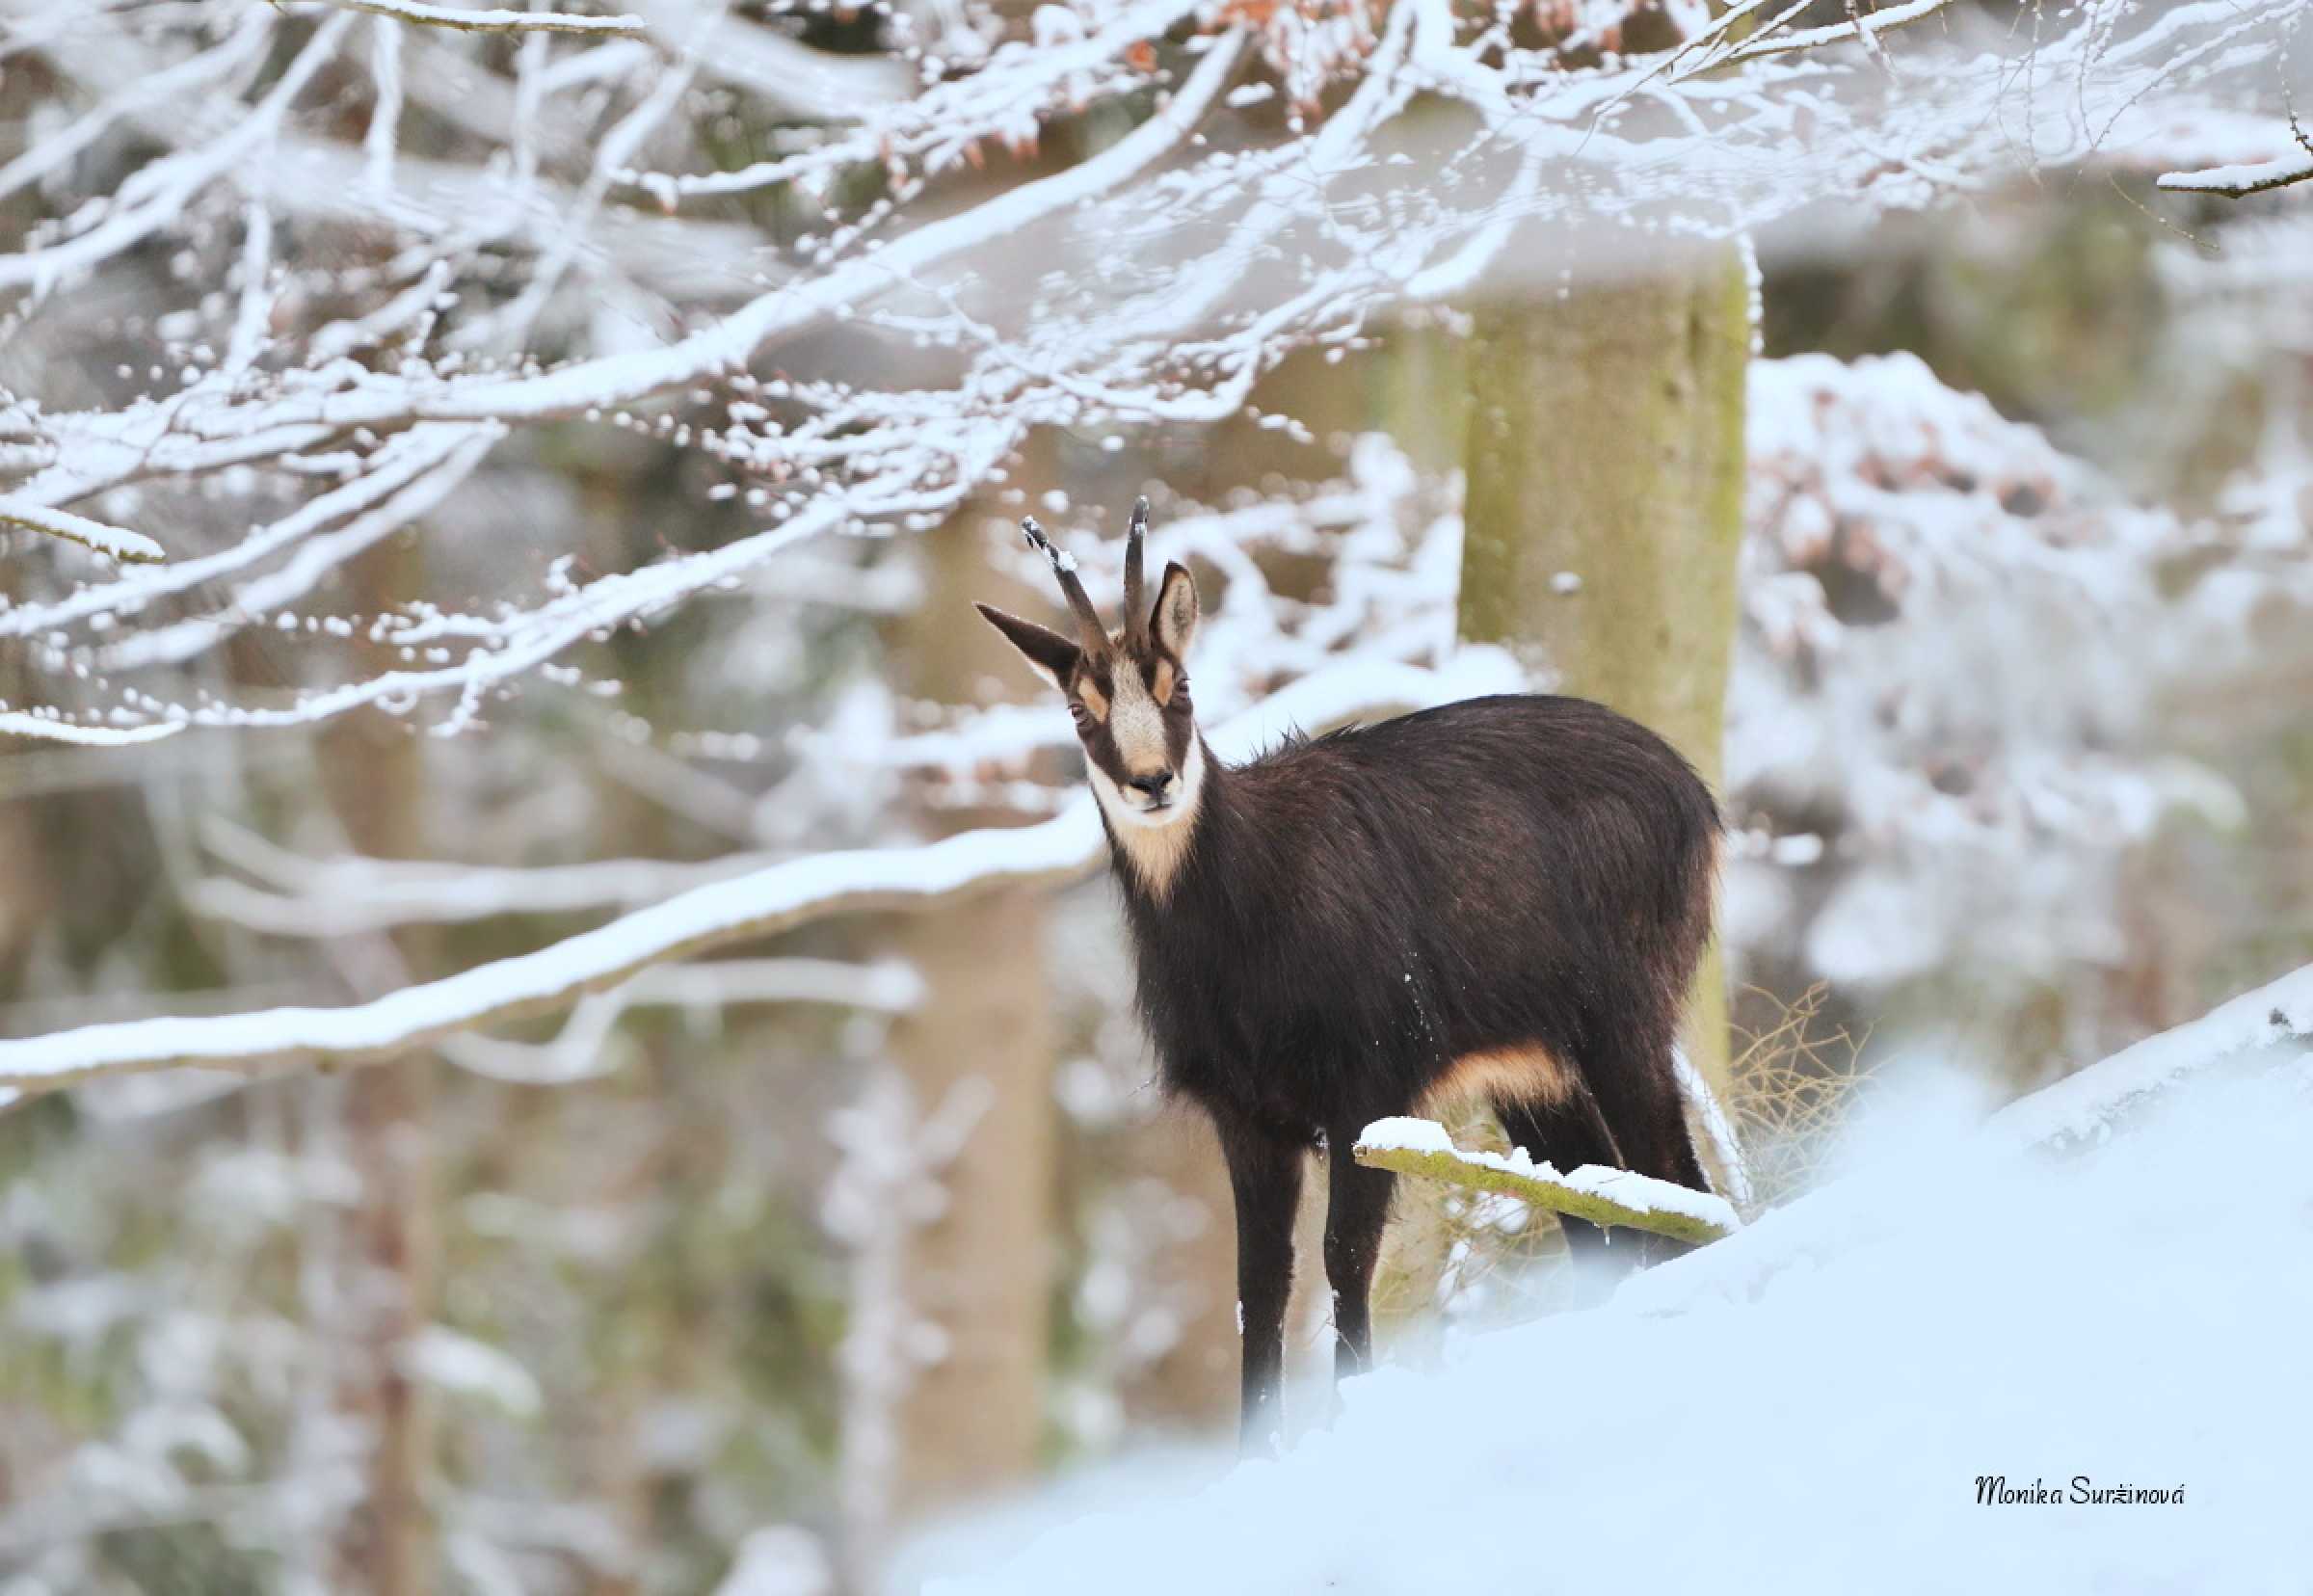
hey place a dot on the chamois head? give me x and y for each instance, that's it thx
(1126, 689)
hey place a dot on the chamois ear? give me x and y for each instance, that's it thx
(1053, 657)
(1173, 621)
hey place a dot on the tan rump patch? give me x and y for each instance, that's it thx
(1517, 1075)
(1094, 699)
(1162, 688)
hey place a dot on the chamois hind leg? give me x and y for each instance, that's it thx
(1637, 1091)
(1567, 1131)
(1357, 1207)
(1629, 1071)
(1264, 1177)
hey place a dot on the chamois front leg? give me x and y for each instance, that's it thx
(1357, 1207)
(1264, 1176)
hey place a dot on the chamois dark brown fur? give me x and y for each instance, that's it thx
(1505, 897)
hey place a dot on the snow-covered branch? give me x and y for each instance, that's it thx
(117, 541)
(763, 903)
(583, 1050)
(1154, 280)
(2237, 182)
(494, 21)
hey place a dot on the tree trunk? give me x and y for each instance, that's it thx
(1604, 508)
(979, 1052)
(373, 770)
(1418, 391)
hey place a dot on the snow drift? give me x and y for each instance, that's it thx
(2103, 1291)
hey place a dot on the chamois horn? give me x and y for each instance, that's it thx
(1072, 587)
(1137, 609)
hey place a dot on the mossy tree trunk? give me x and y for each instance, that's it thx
(1418, 391)
(1604, 461)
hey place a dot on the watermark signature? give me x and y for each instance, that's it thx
(2079, 1491)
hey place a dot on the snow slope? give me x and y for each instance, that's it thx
(1807, 1406)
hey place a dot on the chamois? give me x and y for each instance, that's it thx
(1504, 898)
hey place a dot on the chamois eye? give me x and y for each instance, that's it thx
(1079, 714)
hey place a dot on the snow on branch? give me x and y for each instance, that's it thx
(763, 903)
(584, 1049)
(1594, 1192)
(118, 542)
(622, 379)
(2238, 155)
(2237, 182)
(339, 897)
(47, 725)
(939, 128)
(169, 185)
(1155, 281)
(494, 21)
(1866, 26)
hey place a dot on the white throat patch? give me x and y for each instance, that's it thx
(1154, 844)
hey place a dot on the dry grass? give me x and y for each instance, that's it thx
(1794, 1080)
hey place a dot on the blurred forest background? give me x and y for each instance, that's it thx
(1962, 541)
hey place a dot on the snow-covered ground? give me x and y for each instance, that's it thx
(1808, 1406)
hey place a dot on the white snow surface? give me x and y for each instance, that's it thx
(1807, 1405)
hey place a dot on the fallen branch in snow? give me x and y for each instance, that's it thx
(494, 21)
(116, 540)
(762, 903)
(1600, 1195)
